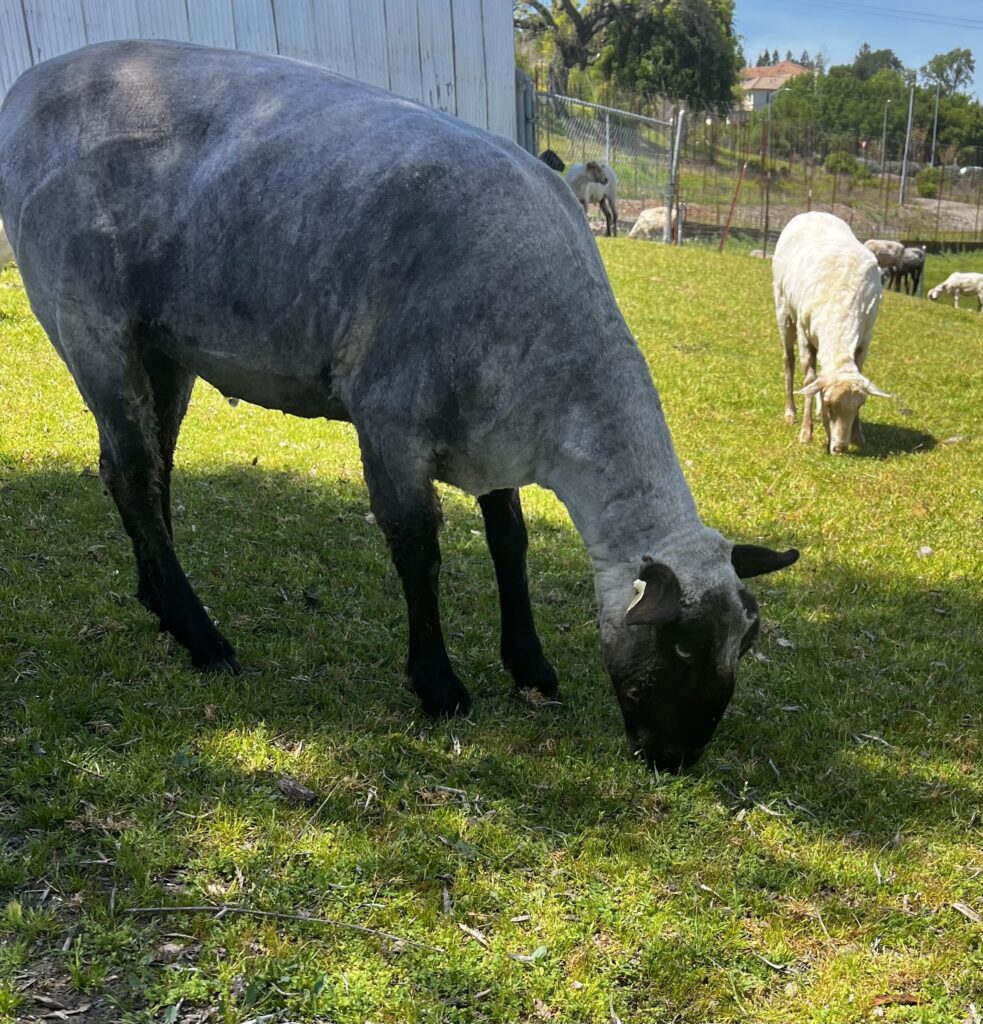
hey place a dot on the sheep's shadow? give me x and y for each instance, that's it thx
(886, 440)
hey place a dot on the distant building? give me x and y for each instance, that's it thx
(758, 84)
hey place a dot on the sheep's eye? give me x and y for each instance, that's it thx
(682, 653)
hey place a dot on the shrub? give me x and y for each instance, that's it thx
(840, 163)
(927, 180)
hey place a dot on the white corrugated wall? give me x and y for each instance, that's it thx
(456, 55)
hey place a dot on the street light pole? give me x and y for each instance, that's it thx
(907, 142)
(884, 136)
(935, 123)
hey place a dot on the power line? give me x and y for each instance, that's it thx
(889, 12)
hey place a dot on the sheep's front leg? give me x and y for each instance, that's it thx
(809, 375)
(788, 338)
(408, 513)
(522, 653)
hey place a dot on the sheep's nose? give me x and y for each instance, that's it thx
(838, 449)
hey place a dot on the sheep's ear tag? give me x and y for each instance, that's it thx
(639, 586)
(657, 596)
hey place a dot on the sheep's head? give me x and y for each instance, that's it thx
(842, 397)
(936, 292)
(596, 172)
(673, 659)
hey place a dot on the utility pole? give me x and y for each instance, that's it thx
(907, 143)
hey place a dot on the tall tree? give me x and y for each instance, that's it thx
(950, 70)
(573, 26)
(868, 62)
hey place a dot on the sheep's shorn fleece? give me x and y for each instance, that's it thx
(6, 252)
(595, 182)
(387, 290)
(960, 283)
(827, 294)
(650, 224)
(889, 256)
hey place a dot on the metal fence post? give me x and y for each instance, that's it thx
(667, 232)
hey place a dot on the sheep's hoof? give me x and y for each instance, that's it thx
(790, 419)
(805, 436)
(218, 656)
(534, 677)
(442, 695)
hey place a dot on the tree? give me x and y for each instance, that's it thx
(686, 49)
(788, 55)
(764, 59)
(868, 62)
(950, 70)
(573, 26)
(775, 59)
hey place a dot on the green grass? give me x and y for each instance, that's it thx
(806, 870)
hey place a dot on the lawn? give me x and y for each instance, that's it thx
(823, 862)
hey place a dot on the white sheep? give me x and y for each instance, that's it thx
(957, 284)
(6, 252)
(651, 224)
(889, 258)
(827, 293)
(595, 182)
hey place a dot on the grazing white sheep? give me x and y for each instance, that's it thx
(651, 224)
(827, 294)
(957, 284)
(889, 256)
(595, 182)
(6, 253)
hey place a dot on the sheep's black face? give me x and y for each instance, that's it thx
(680, 664)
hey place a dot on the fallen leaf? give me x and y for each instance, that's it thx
(537, 954)
(475, 934)
(899, 999)
(967, 911)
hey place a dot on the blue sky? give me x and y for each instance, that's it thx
(916, 31)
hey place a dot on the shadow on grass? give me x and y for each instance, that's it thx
(837, 733)
(883, 440)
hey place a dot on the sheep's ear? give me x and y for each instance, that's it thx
(657, 596)
(753, 560)
(872, 389)
(814, 388)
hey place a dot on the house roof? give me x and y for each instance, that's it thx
(769, 83)
(786, 69)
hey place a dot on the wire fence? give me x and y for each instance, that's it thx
(756, 173)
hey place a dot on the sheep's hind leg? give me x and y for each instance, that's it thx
(788, 339)
(408, 513)
(122, 400)
(522, 653)
(809, 375)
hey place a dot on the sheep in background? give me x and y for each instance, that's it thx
(595, 182)
(552, 160)
(651, 224)
(957, 284)
(912, 268)
(827, 293)
(6, 253)
(889, 255)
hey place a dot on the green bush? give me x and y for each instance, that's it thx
(840, 163)
(927, 180)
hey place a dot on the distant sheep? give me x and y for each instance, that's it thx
(595, 182)
(912, 268)
(651, 224)
(827, 293)
(957, 284)
(552, 160)
(889, 255)
(6, 253)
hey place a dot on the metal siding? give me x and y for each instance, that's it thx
(499, 66)
(55, 27)
(255, 27)
(295, 32)
(333, 27)
(163, 19)
(210, 22)
(369, 34)
(469, 62)
(110, 19)
(437, 55)
(403, 48)
(15, 54)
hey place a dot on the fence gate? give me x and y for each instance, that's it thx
(639, 148)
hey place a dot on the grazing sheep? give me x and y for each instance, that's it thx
(827, 294)
(912, 268)
(137, 179)
(889, 255)
(595, 182)
(957, 284)
(552, 160)
(651, 224)
(6, 253)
